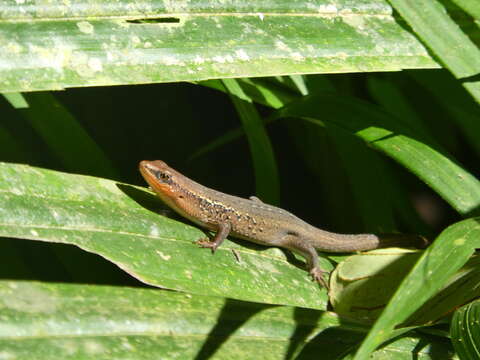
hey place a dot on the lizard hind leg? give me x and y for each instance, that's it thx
(304, 248)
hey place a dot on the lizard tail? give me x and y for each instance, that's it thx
(402, 240)
(338, 243)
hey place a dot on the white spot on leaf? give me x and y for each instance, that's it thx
(4, 355)
(154, 231)
(14, 47)
(95, 64)
(355, 21)
(29, 298)
(280, 45)
(327, 8)
(135, 39)
(198, 60)
(164, 256)
(242, 55)
(16, 191)
(85, 27)
(93, 347)
(171, 60)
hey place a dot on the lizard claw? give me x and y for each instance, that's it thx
(206, 243)
(316, 274)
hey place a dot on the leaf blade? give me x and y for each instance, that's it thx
(464, 331)
(453, 47)
(110, 44)
(120, 223)
(382, 132)
(84, 321)
(438, 263)
(266, 174)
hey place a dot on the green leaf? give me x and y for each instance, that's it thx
(320, 157)
(81, 321)
(16, 100)
(218, 142)
(391, 98)
(460, 107)
(384, 133)
(270, 92)
(461, 288)
(266, 173)
(49, 46)
(113, 220)
(431, 22)
(438, 263)
(470, 6)
(103, 322)
(266, 91)
(375, 208)
(465, 331)
(300, 84)
(362, 285)
(65, 136)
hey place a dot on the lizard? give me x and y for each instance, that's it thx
(258, 222)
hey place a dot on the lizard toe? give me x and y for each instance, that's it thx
(317, 275)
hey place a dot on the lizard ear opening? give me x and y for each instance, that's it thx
(292, 233)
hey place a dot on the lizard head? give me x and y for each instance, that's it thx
(158, 175)
(165, 181)
(170, 186)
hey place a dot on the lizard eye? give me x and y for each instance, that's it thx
(163, 176)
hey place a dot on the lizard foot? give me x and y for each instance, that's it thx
(316, 274)
(206, 243)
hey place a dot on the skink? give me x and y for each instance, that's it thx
(255, 221)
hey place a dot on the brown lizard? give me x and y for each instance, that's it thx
(255, 221)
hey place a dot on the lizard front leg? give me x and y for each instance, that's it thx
(222, 233)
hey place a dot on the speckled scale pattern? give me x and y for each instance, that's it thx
(251, 220)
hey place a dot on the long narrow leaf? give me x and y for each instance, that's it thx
(60, 321)
(460, 107)
(266, 173)
(375, 208)
(465, 331)
(392, 99)
(381, 131)
(114, 221)
(16, 100)
(439, 262)
(51, 46)
(472, 7)
(443, 36)
(65, 136)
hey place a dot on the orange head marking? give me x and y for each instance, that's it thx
(159, 176)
